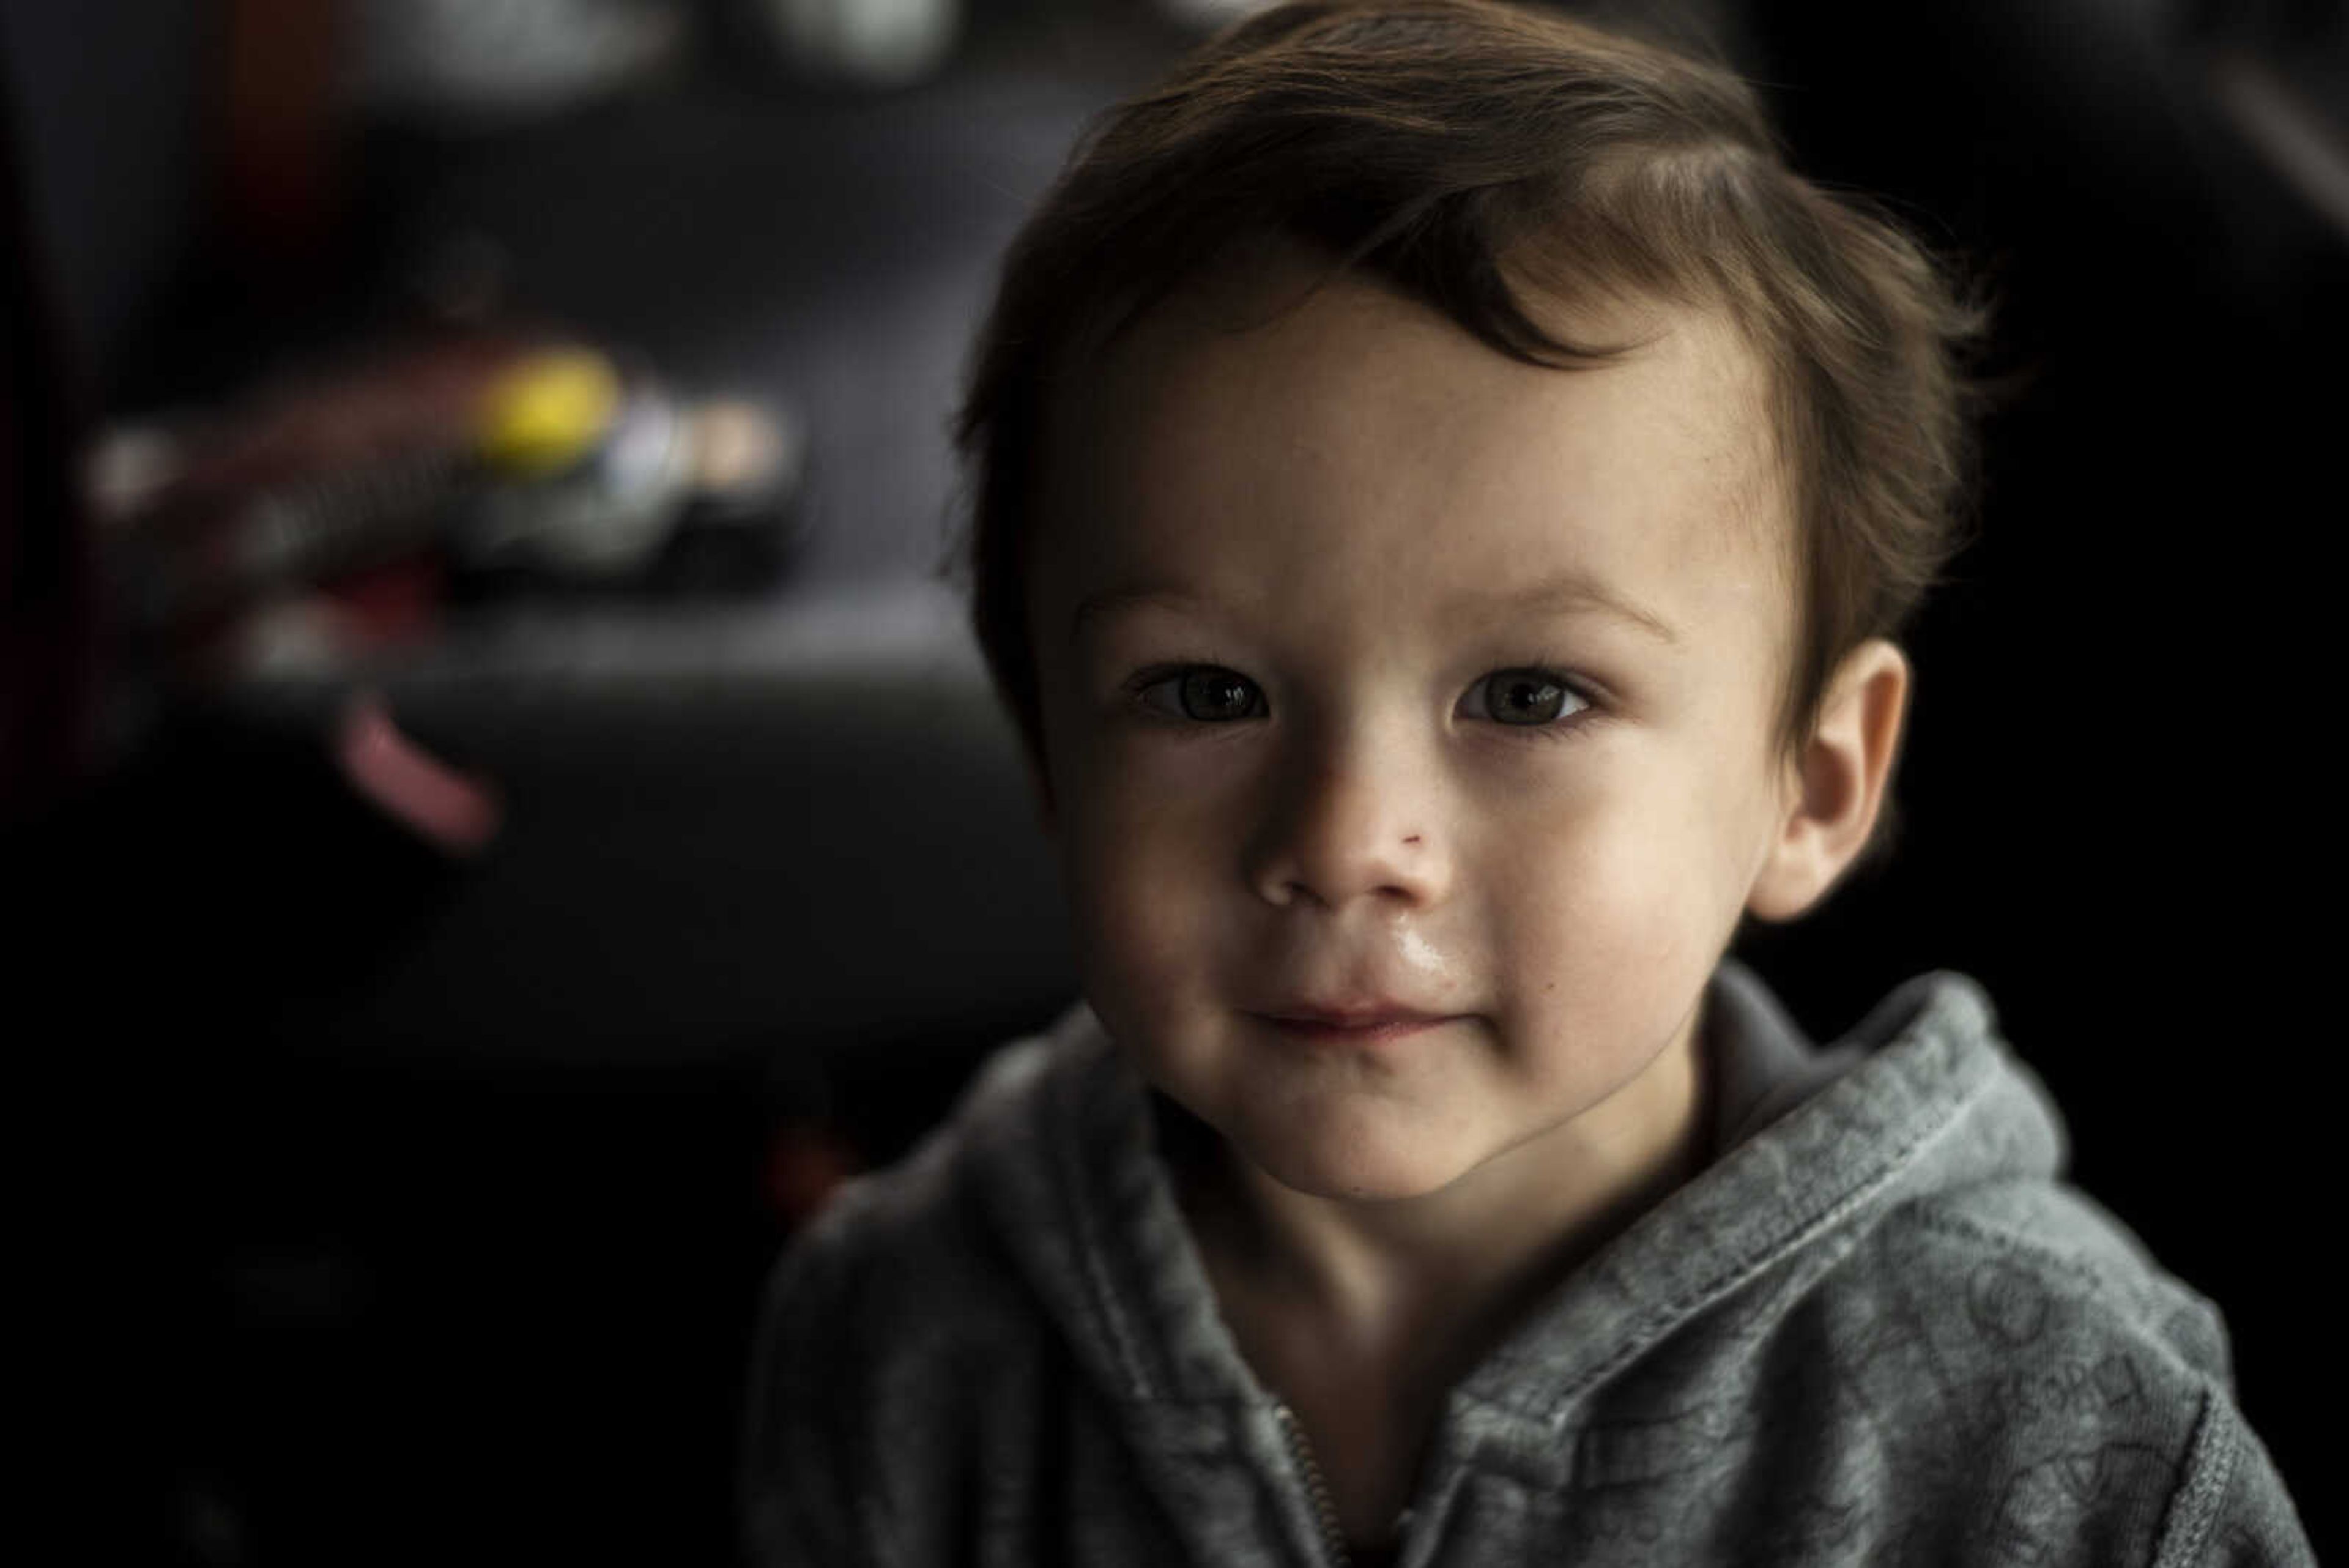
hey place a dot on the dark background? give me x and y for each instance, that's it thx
(387, 1205)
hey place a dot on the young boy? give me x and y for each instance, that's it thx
(1446, 495)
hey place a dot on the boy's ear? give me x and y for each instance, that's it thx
(1837, 786)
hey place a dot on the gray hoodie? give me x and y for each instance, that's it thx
(1876, 1329)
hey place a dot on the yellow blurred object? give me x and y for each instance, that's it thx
(549, 410)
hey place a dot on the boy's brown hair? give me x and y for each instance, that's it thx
(1465, 153)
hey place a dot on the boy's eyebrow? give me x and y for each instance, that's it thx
(1108, 601)
(1572, 593)
(1568, 592)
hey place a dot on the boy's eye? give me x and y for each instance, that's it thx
(1204, 692)
(1521, 697)
(1210, 694)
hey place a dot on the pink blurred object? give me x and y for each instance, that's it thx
(453, 811)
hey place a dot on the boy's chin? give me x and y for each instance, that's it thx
(1360, 1167)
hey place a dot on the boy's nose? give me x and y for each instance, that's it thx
(1348, 825)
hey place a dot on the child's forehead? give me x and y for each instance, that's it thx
(1278, 387)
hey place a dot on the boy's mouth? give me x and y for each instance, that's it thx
(1367, 1022)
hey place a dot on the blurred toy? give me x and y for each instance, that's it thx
(339, 513)
(590, 479)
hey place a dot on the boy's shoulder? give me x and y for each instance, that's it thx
(2002, 1356)
(2020, 1374)
(1884, 1327)
(1993, 1375)
(2017, 1260)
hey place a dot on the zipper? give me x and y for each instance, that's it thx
(1334, 1538)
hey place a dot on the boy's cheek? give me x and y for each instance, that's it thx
(1134, 888)
(1152, 906)
(1142, 962)
(1130, 790)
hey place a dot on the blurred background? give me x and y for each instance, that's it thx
(500, 812)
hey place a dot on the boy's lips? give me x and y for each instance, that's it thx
(1360, 1022)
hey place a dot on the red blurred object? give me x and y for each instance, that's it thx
(394, 604)
(806, 1163)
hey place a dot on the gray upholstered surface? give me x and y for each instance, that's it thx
(797, 827)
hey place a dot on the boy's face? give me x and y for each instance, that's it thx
(1336, 722)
